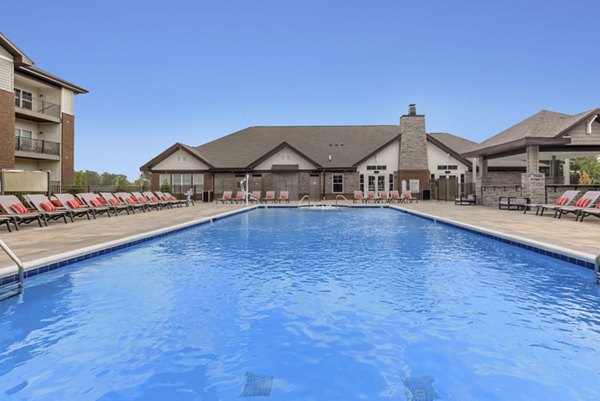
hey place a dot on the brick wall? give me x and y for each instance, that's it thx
(67, 149)
(7, 129)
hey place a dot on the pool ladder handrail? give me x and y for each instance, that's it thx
(14, 288)
(597, 268)
(337, 197)
(304, 197)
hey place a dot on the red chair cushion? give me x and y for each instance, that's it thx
(95, 203)
(283, 196)
(48, 206)
(154, 199)
(18, 208)
(114, 202)
(166, 199)
(56, 203)
(174, 198)
(73, 204)
(561, 201)
(130, 200)
(583, 202)
(144, 199)
(101, 200)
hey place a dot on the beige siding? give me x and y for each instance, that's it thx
(180, 160)
(286, 157)
(437, 157)
(579, 135)
(6, 73)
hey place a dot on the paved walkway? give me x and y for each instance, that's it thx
(33, 243)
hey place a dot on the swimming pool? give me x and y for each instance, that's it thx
(307, 305)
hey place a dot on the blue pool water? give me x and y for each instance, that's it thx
(307, 305)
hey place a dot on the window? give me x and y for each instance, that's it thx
(391, 182)
(442, 167)
(23, 99)
(453, 167)
(198, 180)
(361, 184)
(338, 183)
(23, 133)
(449, 167)
(371, 183)
(181, 183)
(164, 179)
(380, 183)
(376, 167)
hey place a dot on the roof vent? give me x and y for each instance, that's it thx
(412, 109)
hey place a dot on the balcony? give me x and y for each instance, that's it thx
(36, 109)
(36, 148)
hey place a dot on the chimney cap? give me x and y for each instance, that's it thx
(412, 109)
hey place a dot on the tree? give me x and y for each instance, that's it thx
(590, 165)
(585, 179)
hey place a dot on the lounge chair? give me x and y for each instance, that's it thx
(75, 207)
(226, 197)
(269, 197)
(589, 211)
(588, 200)
(384, 197)
(469, 200)
(153, 198)
(81, 202)
(395, 196)
(239, 197)
(255, 196)
(407, 198)
(372, 196)
(358, 196)
(46, 208)
(167, 197)
(565, 200)
(108, 199)
(128, 198)
(284, 196)
(6, 220)
(146, 201)
(18, 213)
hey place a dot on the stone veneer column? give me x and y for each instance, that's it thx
(481, 178)
(567, 172)
(533, 186)
(7, 129)
(67, 153)
(412, 163)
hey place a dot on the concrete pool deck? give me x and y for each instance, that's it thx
(33, 244)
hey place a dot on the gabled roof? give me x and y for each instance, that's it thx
(346, 144)
(541, 128)
(171, 150)
(25, 65)
(452, 144)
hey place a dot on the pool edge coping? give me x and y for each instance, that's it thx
(532, 245)
(34, 267)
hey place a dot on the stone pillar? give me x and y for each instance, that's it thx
(567, 172)
(481, 178)
(412, 163)
(533, 186)
(533, 159)
(474, 164)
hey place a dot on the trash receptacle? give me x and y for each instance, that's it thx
(425, 194)
(207, 196)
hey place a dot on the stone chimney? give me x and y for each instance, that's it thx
(412, 162)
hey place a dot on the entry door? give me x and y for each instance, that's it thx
(315, 188)
(286, 182)
(452, 187)
(375, 183)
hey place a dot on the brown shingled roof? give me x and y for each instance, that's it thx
(347, 145)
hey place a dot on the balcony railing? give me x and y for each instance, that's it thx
(37, 146)
(39, 106)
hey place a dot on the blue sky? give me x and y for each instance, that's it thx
(161, 72)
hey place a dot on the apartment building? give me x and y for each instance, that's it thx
(37, 119)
